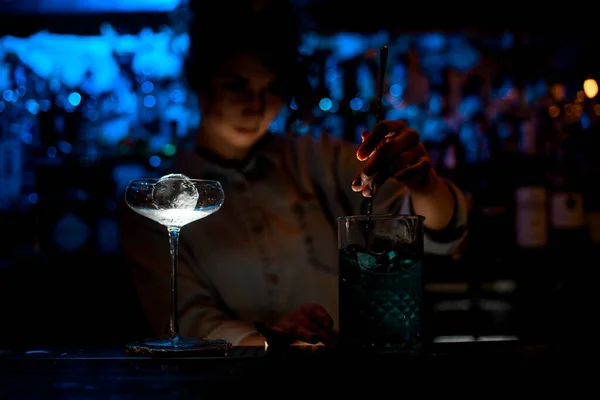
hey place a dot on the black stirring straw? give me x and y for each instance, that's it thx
(383, 56)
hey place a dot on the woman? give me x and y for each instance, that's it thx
(270, 253)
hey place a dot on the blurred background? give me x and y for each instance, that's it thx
(92, 95)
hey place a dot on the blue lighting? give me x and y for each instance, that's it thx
(149, 101)
(51, 152)
(348, 45)
(177, 96)
(396, 90)
(27, 137)
(356, 104)
(65, 147)
(74, 99)
(147, 87)
(32, 106)
(432, 42)
(335, 106)
(325, 104)
(585, 121)
(89, 6)
(154, 161)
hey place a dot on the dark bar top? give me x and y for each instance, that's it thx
(90, 373)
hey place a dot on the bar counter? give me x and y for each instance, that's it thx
(108, 373)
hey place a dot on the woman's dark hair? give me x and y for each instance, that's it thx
(221, 28)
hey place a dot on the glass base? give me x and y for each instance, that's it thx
(180, 347)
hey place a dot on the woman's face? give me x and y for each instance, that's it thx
(243, 100)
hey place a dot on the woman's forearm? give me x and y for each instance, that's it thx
(435, 202)
(253, 340)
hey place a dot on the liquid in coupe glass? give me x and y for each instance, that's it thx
(380, 286)
(175, 201)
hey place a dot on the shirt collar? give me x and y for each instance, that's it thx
(265, 156)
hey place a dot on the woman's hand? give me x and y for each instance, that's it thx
(392, 149)
(310, 323)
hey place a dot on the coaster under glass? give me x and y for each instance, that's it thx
(178, 348)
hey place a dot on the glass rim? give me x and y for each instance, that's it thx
(363, 217)
(153, 181)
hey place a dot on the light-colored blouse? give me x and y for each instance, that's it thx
(273, 244)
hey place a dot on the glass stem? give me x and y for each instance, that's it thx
(174, 322)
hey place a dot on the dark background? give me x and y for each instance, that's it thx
(79, 292)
